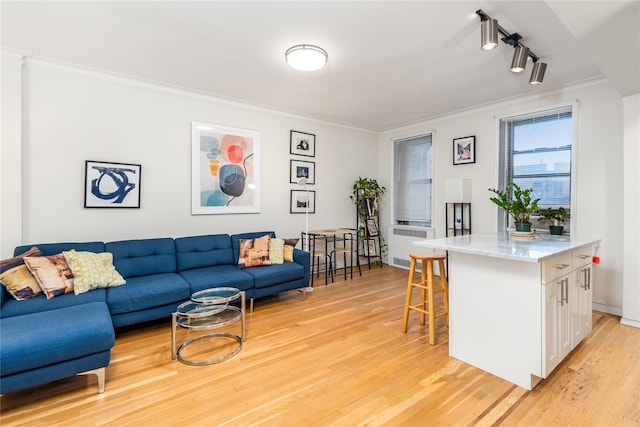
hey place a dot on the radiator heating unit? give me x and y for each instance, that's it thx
(400, 243)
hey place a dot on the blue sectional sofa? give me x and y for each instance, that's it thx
(44, 340)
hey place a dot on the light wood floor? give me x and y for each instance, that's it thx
(338, 358)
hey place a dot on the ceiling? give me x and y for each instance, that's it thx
(390, 62)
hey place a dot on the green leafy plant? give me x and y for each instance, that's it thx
(370, 189)
(516, 201)
(547, 215)
(554, 216)
(562, 215)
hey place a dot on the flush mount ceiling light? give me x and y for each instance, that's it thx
(489, 40)
(306, 57)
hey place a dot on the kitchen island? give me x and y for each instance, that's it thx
(517, 305)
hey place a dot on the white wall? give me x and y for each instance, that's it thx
(631, 287)
(10, 153)
(599, 170)
(72, 115)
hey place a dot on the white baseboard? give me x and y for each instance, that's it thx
(616, 311)
(629, 322)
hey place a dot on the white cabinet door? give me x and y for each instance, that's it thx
(582, 325)
(551, 321)
(565, 335)
(576, 303)
(557, 328)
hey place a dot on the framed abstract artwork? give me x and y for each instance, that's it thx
(464, 150)
(111, 185)
(302, 144)
(225, 169)
(300, 169)
(300, 199)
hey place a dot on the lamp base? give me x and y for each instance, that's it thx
(309, 289)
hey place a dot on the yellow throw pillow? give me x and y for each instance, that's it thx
(276, 251)
(52, 273)
(20, 283)
(288, 253)
(92, 271)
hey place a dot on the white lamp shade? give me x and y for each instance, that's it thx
(457, 190)
(306, 57)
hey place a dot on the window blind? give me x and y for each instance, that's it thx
(412, 181)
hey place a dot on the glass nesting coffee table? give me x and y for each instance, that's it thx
(209, 309)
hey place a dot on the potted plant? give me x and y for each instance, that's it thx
(369, 186)
(555, 218)
(518, 203)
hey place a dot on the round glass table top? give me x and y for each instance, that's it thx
(194, 309)
(215, 295)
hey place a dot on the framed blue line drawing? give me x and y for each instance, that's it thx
(225, 170)
(111, 185)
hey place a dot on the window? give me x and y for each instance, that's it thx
(536, 152)
(412, 174)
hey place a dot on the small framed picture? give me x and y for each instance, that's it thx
(300, 169)
(464, 150)
(370, 247)
(111, 185)
(303, 144)
(300, 200)
(372, 228)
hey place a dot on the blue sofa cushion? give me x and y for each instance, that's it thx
(32, 341)
(203, 251)
(56, 248)
(235, 241)
(145, 292)
(218, 276)
(143, 257)
(40, 303)
(270, 275)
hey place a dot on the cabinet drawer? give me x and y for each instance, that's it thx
(582, 256)
(557, 266)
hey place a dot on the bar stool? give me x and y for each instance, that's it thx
(426, 286)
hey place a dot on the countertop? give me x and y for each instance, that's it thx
(503, 245)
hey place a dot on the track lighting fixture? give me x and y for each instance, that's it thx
(489, 40)
(519, 61)
(537, 74)
(489, 34)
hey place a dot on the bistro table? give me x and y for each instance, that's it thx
(319, 248)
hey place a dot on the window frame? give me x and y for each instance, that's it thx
(394, 220)
(504, 221)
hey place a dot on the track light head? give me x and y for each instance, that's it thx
(519, 61)
(489, 34)
(537, 74)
